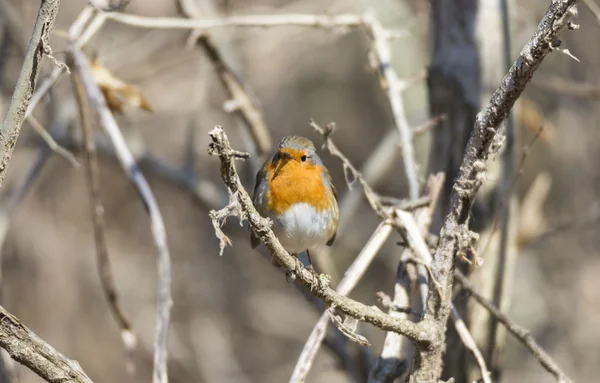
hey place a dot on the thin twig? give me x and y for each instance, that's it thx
(256, 21)
(519, 332)
(104, 267)
(108, 123)
(52, 144)
(375, 168)
(383, 54)
(241, 102)
(504, 264)
(33, 352)
(350, 172)
(470, 344)
(504, 197)
(15, 115)
(318, 284)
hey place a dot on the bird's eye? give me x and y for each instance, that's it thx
(303, 158)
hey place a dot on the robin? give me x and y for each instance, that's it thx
(294, 189)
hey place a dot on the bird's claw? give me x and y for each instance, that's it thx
(291, 276)
(314, 282)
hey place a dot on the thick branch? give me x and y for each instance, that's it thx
(30, 70)
(519, 332)
(484, 143)
(319, 286)
(31, 351)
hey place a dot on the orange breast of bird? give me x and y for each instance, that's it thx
(293, 183)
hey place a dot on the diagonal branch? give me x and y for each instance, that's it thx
(519, 332)
(484, 143)
(244, 105)
(242, 203)
(30, 350)
(346, 285)
(107, 122)
(26, 82)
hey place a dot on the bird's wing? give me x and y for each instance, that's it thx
(333, 189)
(260, 176)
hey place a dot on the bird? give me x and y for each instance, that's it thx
(295, 190)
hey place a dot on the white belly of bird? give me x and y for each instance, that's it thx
(302, 227)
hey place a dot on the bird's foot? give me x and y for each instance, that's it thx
(314, 281)
(291, 276)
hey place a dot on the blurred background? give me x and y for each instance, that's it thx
(234, 317)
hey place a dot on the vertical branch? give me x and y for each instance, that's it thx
(484, 143)
(396, 354)
(383, 53)
(507, 251)
(15, 115)
(108, 123)
(97, 214)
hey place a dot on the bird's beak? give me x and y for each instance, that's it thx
(284, 158)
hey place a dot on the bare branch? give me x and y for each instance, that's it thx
(31, 351)
(15, 115)
(350, 171)
(343, 21)
(319, 284)
(243, 104)
(52, 144)
(484, 143)
(346, 285)
(108, 123)
(105, 273)
(382, 53)
(519, 332)
(396, 352)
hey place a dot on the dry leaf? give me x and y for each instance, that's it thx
(118, 93)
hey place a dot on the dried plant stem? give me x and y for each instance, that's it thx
(104, 267)
(244, 105)
(257, 21)
(52, 144)
(108, 123)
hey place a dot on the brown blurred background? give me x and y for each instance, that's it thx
(234, 318)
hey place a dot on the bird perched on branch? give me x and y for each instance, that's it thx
(295, 190)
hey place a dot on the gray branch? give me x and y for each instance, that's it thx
(241, 204)
(486, 139)
(31, 351)
(15, 115)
